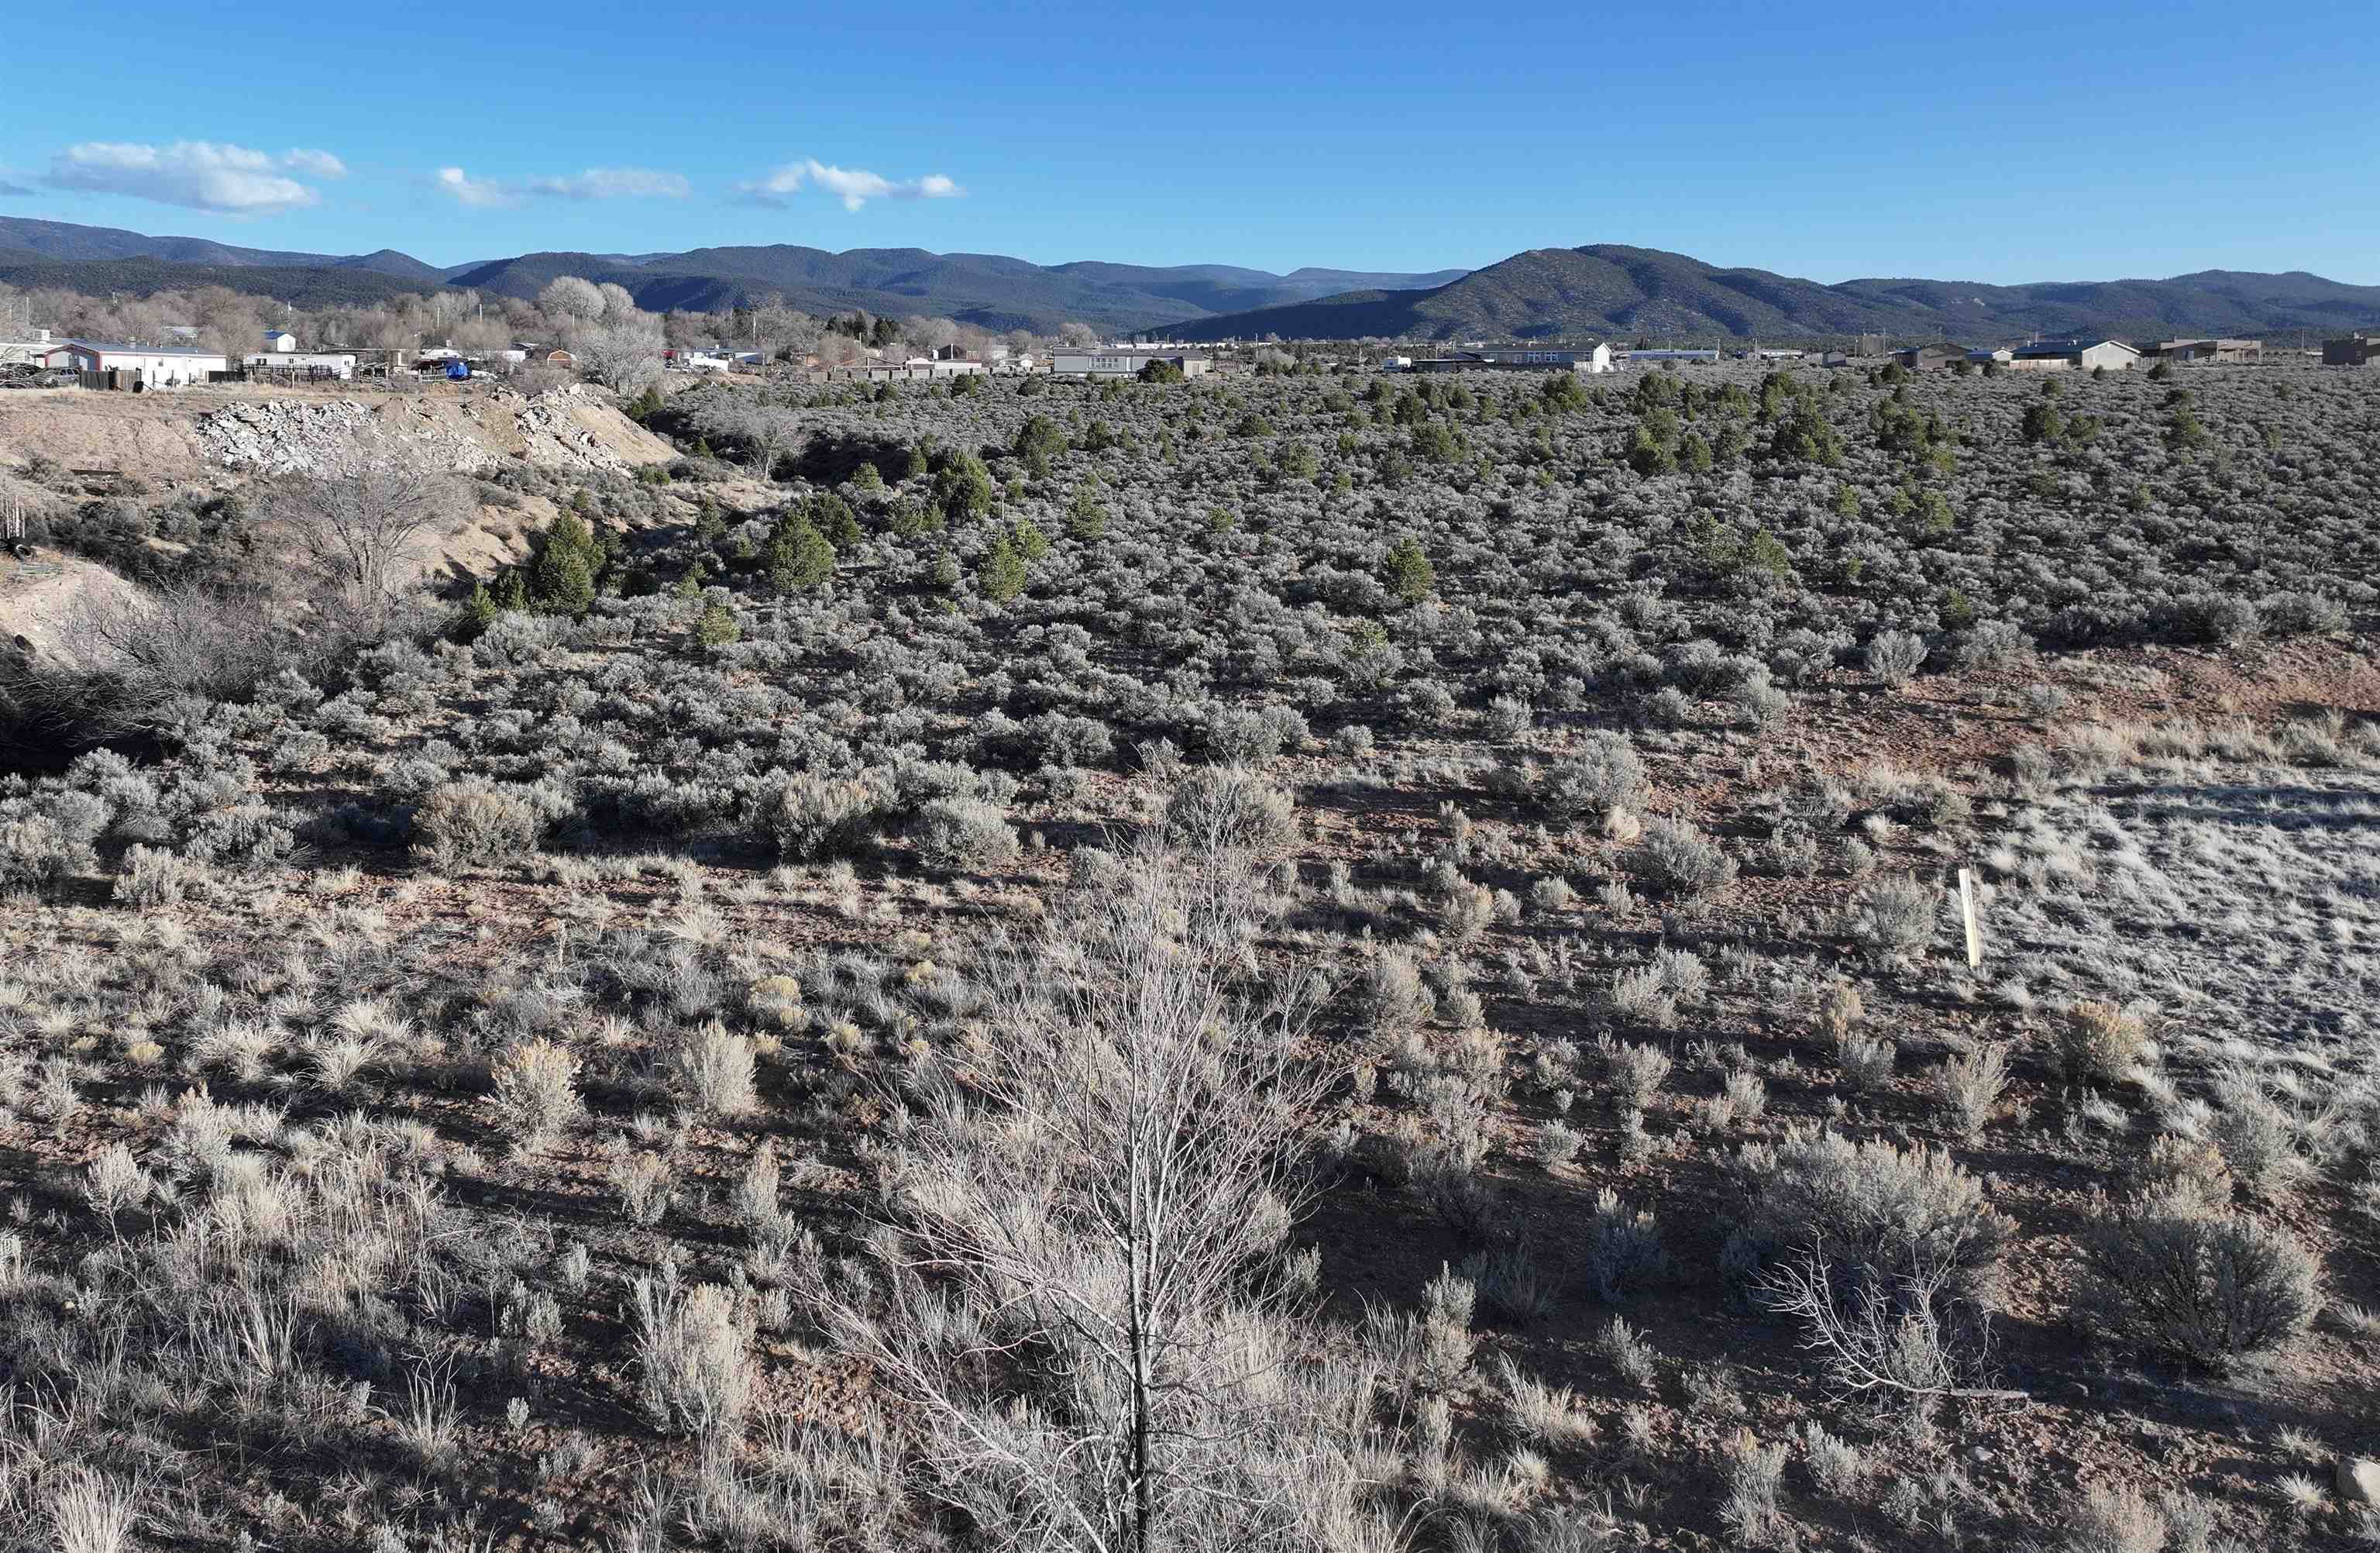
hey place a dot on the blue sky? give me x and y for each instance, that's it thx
(1991, 142)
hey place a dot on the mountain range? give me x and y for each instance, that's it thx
(1607, 290)
(1595, 291)
(984, 290)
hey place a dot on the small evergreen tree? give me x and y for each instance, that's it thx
(1001, 575)
(963, 487)
(1408, 573)
(800, 559)
(480, 612)
(717, 628)
(562, 578)
(1086, 518)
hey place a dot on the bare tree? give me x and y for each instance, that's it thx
(365, 534)
(623, 354)
(568, 297)
(1077, 1274)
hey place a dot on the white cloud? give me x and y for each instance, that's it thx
(612, 183)
(595, 183)
(321, 163)
(855, 187)
(481, 194)
(197, 175)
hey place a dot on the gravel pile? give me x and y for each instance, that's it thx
(338, 437)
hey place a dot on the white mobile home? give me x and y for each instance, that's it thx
(1119, 361)
(339, 364)
(157, 366)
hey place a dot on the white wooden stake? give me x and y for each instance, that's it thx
(1975, 928)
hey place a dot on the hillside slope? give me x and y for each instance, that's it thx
(988, 290)
(1606, 288)
(308, 286)
(68, 241)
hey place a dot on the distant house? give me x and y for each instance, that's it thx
(1513, 359)
(2074, 356)
(1123, 361)
(697, 360)
(311, 364)
(1930, 358)
(2188, 350)
(40, 350)
(138, 367)
(1666, 355)
(2000, 356)
(2355, 351)
(279, 339)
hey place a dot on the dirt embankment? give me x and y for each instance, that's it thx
(219, 437)
(235, 437)
(42, 590)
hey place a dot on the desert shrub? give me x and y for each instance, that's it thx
(1866, 1062)
(1892, 916)
(713, 1068)
(1072, 741)
(37, 849)
(1970, 1084)
(1510, 1286)
(1630, 1354)
(1835, 1464)
(2261, 1138)
(1639, 995)
(1882, 1215)
(1754, 1472)
(2226, 619)
(2093, 1043)
(475, 822)
(1228, 808)
(1675, 858)
(1553, 894)
(694, 1377)
(643, 1182)
(2185, 1172)
(1621, 1249)
(1507, 718)
(536, 1091)
(2303, 614)
(963, 834)
(1395, 1000)
(1894, 655)
(2113, 1518)
(1603, 774)
(815, 817)
(2168, 1276)
(153, 877)
(1637, 1073)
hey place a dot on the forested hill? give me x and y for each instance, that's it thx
(1609, 289)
